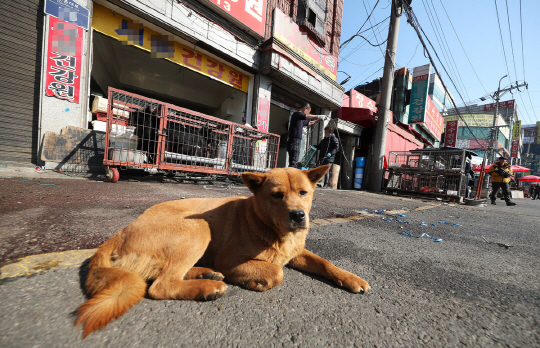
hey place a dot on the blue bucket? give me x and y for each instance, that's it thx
(360, 162)
(359, 171)
(357, 184)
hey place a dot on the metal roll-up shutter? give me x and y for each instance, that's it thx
(21, 37)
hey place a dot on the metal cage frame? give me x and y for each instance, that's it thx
(162, 136)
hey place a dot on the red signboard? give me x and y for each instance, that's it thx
(358, 100)
(262, 115)
(515, 148)
(252, 13)
(504, 104)
(433, 121)
(289, 33)
(64, 60)
(450, 136)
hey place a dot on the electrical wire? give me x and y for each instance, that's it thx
(464, 51)
(352, 37)
(502, 42)
(416, 25)
(511, 41)
(523, 60)
(449, 51)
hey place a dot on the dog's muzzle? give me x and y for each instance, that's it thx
(297, 219)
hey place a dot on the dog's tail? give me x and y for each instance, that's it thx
(114, 290)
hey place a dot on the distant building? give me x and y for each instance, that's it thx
(479, 119)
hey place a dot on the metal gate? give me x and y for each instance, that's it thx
(20, 66)
(147, 133)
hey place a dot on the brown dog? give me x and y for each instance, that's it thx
(244, 240)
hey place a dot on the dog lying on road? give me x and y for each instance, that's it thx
(188, 247)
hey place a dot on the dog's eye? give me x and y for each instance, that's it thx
(278, 195)
(303, 193)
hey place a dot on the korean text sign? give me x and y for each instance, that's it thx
(433, 122)
(252, 13)
(517, 130)
(451, 133)
(163, 46)
(289, 33)
(358, 100)
(64, 51)
(419, 94)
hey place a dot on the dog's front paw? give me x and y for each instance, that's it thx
(353, 283)
(212, 275)
(257, 286)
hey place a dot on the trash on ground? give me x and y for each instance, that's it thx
(380, 211)
(400, 214)
(426, 224)
(449, 223)
(499, 244)
(423, 234)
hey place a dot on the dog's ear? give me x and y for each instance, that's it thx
(253, 181)
(315, 174)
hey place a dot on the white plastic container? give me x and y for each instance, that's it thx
(124, 141)
(125, 155)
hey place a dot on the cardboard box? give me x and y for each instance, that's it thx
(101, 104)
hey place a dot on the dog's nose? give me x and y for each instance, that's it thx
(297, 215)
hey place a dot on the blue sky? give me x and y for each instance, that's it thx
(476, 68)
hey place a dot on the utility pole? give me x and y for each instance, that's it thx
(377, 164)
(494, 130)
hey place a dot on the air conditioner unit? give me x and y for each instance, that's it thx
(311, 16)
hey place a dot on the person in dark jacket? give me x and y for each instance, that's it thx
(328, 147)
(299, 119)
(535, 192)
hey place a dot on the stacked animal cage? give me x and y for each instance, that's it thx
(156, 136)
(427, 172)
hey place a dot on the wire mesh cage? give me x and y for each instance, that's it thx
(146, 133)
(451, 161)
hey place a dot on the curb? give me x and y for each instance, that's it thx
(34, 264)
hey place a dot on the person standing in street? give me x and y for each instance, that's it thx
(535, 191)
(500, 172)
(328, 147)
(299, 120)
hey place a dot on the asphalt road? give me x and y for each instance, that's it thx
(465, 290)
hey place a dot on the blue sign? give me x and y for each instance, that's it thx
(68, 11)
(419, 95)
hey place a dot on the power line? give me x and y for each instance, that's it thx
(463, 48)
(362, 44)
(450, 51)
(511, 41)
(523, 60)
(416, 25)
(352, 37)
(502, 42)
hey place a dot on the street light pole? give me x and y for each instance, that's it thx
(497, 97)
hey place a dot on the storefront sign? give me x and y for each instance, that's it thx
(250, 13)
(538, 132)
(450, 135)
(481, 120)
(504, 104)
(517, 130)
(433, 122)
(64, 51)
(358, 100)
(68, 11)
(515, 148)
(263, 114)
(162, 46)
(289, 33)
(419, 94)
